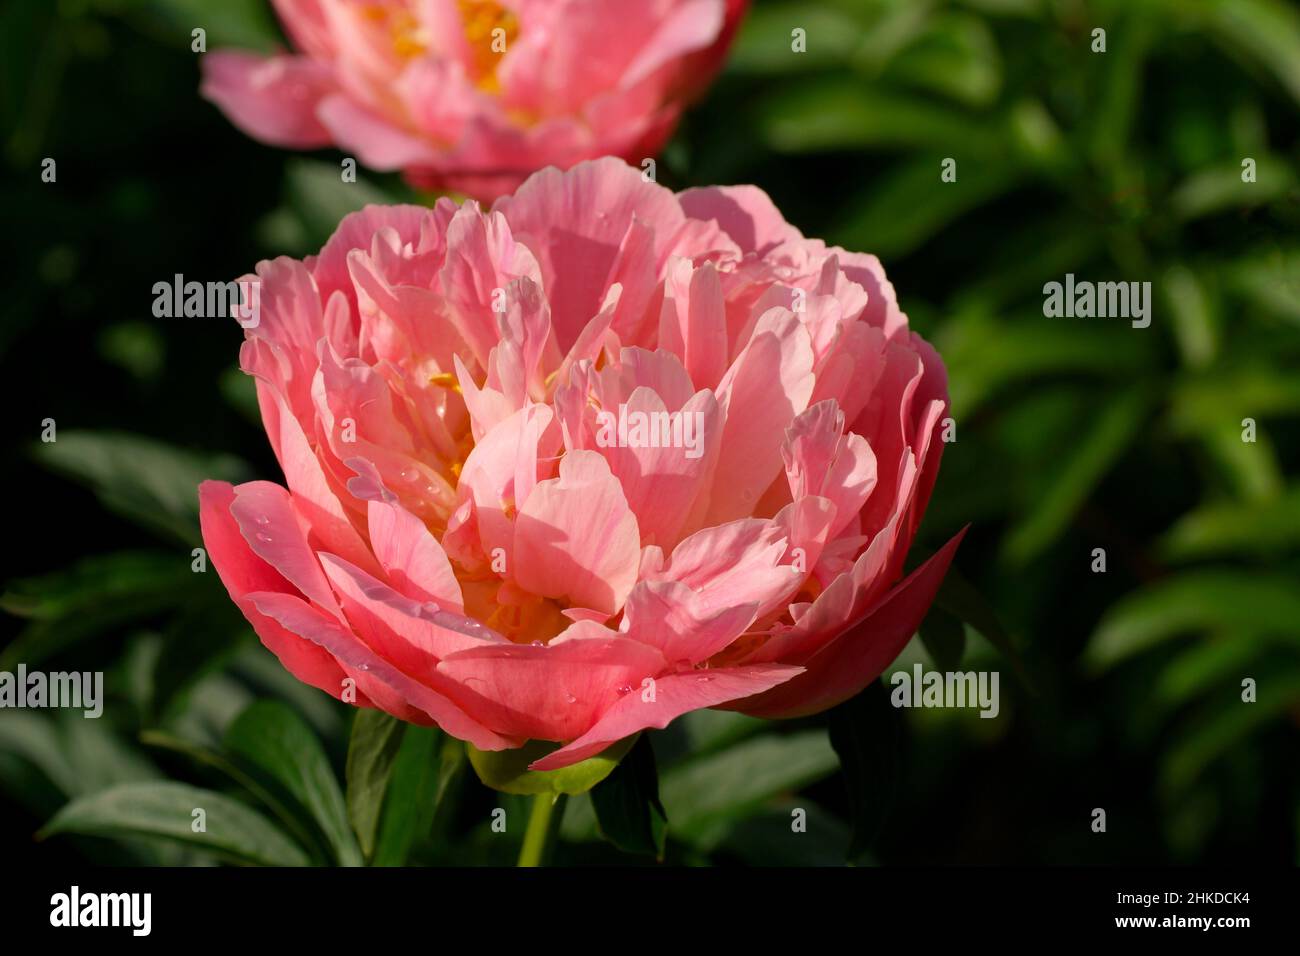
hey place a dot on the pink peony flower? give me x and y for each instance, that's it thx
(475, 95)
(570, 468)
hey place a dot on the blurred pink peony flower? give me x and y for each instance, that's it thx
(474, 95)
(570, 468)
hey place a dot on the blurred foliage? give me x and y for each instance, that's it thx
(1120, 690)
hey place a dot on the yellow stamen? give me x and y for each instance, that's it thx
(489, 30)
(446, 380)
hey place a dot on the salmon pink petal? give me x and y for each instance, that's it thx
(745, 212)
(603, 436)
(672, 617)
(821, 460)
(379, 144)
(501, 471)
(766, 387)
(369, 670)
(555, 691)
(275, 100)
(665, 473)
(673, 695)
(243, 572)
(576, 537)
(693, 321)
(314, 499)
(691, 27)
(273, 530)
(859, 655)
(410, 634)
(736, 563)
(551, 213)
(412, 558)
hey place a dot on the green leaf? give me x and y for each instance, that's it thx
(864, 732)
(909, 205)
(147, 481)
(627, 803)
(36, 739)
(764, 45)
(1270, 278)
(1219, 189)
(944, 637)
(1218, 599)
(1194, 315)
(272, 737)
(372, 752)
(1266, 528)
(738, 782)
(93, 597)
(428, 762)
(318, 198)
(1222, 730)
(981, 366)
(165, 810)
(956, 57)
(254, 781)
(960, 598)
(240, 392)
(1092, 457)
(769, 839)
(507, 770)
(93, 582)
(1192, 674)
(1266, 32)
(245, 24)
(198, 640)
(834, 113)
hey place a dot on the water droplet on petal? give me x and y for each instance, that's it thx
(624, 689)
(569, 698)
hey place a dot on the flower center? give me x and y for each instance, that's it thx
(522, 618)
(489, 30)
(407, 35)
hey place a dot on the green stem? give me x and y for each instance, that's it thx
(543, 829)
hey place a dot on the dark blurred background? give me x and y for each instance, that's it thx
(1121, 690)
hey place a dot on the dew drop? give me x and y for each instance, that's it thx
(624, 689)
(569, 698)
